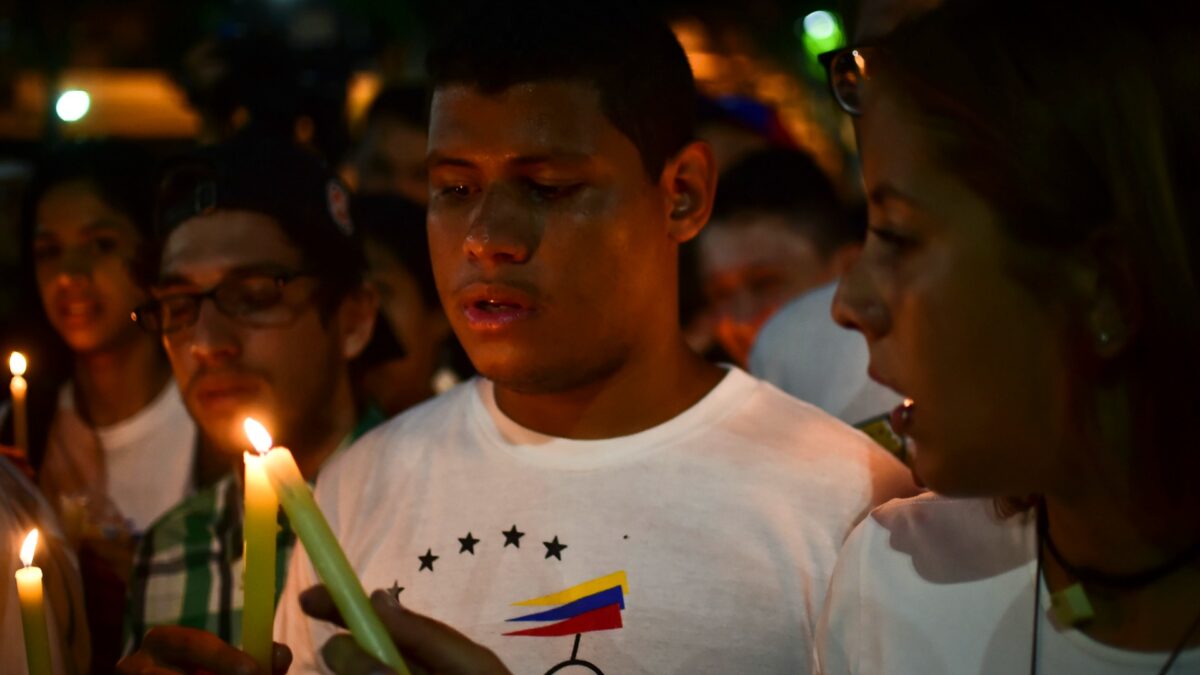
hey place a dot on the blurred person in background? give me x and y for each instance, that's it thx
(390, 156)
(119, 417)
(22, 508)
(1030, 282)
(429, 359)
(778, 231)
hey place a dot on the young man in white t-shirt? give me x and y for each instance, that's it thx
(603, 499)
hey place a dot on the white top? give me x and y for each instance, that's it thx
(714, 533)
(148, 457)
(804, 352)
(942, 586)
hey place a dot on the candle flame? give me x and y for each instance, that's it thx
(258, 435)
(17, 364)
(27, 548)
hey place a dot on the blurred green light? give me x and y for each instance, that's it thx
(820, 25)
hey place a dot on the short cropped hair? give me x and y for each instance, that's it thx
(632, 59)
(788, 183)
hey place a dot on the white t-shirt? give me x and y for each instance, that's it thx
(804, 352)
(148, 457)
(942, 586)
(702, 545)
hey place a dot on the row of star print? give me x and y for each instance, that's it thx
(511, 537)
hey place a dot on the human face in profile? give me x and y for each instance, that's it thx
(551, 245)
(84, 252)
(949, 323)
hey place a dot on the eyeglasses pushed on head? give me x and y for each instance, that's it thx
(846, 70)
(254, 298)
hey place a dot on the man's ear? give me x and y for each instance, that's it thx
(689, 182)
(356, 317)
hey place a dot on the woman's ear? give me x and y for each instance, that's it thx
(356, 319)
(689, 182)
(1114, 307)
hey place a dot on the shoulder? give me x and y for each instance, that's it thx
(798, 430)
(401, 442)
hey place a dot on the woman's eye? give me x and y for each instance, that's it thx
(892, 238)
(455, 191)
(544, 192)
(46, 250)
(106, 244)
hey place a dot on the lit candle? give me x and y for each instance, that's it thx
(323, 549)
(258, 572)
(33, 610)
(17, 387)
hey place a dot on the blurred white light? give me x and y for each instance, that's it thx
(73, 105)
(820, 25)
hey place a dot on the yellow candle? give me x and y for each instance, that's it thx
(17, 387)
(323, 549)
(33, 610)
(259, 527)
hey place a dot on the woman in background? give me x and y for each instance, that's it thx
(121, 446)
(1030, 283)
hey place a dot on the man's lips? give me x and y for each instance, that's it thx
(219, 390)
(490, 306)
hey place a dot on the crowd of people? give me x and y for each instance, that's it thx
(540, 460)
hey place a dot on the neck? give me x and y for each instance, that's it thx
(323, 432)
(644, 392)
(116, 383)
(1105, 533)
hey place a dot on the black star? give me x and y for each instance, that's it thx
(513, 537)
(553, 548)
(427, 560)
(468, 544)
(395, 590)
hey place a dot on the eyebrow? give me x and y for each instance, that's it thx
(886, 192)
(176, 279)
(100, 224)
(573, 157)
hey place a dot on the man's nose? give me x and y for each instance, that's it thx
(214, 336)
(501, 230)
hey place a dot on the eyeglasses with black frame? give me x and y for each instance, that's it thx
(254, 298)
(846, 69)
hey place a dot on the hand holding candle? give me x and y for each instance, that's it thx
(18, 388)
(323, 549)
(33, 610)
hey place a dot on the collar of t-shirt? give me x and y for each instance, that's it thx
(165, 409)
(500, 431)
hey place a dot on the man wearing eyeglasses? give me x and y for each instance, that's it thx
(260, 303)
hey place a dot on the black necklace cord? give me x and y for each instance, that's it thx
(1043, 541)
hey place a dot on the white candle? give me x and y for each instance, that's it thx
(17, 387)
(33, 610)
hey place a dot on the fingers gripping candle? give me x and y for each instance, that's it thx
(323, 549)
(33, 610)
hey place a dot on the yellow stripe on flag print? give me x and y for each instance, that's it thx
(582, 590)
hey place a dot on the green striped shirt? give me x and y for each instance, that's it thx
(188, 566)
